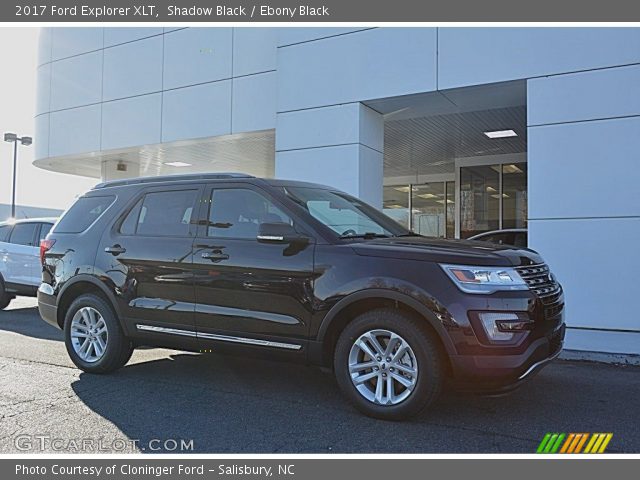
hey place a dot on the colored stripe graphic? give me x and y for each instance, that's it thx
(581, 443)
(574, 442)
(543, 443)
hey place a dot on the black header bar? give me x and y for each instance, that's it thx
(373, 11)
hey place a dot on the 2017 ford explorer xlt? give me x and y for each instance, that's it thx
(303, 272)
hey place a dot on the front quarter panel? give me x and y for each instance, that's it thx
(342, 275)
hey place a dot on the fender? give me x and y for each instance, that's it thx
(391, 295)
(87, 278)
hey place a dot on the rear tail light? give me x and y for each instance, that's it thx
(45, 246)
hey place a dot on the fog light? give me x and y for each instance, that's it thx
(502, 327)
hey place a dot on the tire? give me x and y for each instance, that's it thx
(90, 318)
(5, 298)
(417, 373)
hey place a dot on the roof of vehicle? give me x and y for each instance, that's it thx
(172, 178)
(29, 220)
(493, 232)
(204, 176)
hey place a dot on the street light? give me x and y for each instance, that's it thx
(26, 141)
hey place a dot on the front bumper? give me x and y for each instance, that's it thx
(503, 373)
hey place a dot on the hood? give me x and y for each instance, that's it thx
(462, 252)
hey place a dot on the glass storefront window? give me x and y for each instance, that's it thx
(428, 209)
(396, 203)
(479, 199)
(514, 195)
(451, 209)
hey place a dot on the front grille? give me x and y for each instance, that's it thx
(544, 285)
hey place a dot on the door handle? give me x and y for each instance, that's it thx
(115, 250)
(215, 256)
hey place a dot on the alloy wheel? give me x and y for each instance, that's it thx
(89, 335)
(383, 367)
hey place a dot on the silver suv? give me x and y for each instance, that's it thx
(20, 267)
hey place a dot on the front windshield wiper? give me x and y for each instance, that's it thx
(366, 236)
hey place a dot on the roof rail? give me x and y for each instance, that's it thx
(171, 178)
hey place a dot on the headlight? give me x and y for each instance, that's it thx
(485, 279)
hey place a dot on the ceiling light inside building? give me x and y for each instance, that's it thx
(427, 196)
(510, 168)
(404, 189)
(177, 164)
(501, 134)
(497, 195)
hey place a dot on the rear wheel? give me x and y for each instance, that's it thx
(388, 364)
(93, 336)
(5, 298)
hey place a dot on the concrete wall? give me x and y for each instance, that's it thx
(584, 190)
(109, 88)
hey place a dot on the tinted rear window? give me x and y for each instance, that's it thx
(4, 231)
(83, 213)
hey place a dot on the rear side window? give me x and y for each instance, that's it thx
(23, 234)
(164, 214)
(45, 228)
(4, 232)
(83, 213)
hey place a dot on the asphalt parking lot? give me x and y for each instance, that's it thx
(236, 405)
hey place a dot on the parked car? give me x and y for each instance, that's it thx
(20, 267)
(295, 271)
(507, 236)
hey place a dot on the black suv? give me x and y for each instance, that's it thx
(303, 272)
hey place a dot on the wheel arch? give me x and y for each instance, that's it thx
(80, 285)
(360, 302)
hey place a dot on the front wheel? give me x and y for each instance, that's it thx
(388, 364)
(93, 336)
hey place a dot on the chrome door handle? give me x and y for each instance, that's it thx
(115, 250)
(215, 256)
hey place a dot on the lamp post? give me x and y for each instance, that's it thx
(26, 141)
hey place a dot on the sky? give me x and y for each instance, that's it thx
(35, 186)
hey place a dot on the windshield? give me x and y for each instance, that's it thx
(345, 215)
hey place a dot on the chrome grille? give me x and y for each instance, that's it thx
(541, 283)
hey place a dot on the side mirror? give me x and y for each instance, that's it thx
(278, 232)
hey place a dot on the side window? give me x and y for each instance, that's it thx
(23, 234)
(130, 223)
(83, 213)
(4, 232)
(237, 213)
(162, 214)
(45, 228)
